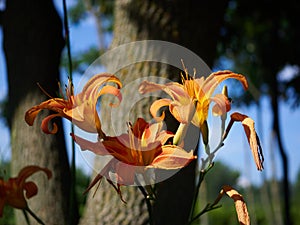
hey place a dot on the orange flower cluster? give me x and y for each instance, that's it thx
(147, 145)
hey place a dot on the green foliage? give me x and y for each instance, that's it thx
(8, 217)
(102, 12)
(220, 175)
(296, 200)
(81, 61)
(82, 182)
(77, 12)
(102, 8)
(261, 41)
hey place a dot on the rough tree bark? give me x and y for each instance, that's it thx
(33, 43)
(194, 25)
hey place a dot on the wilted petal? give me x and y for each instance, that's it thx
(252, 137)
(240, 205)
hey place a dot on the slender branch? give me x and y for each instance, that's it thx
(206, 209)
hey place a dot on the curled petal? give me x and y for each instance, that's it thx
(214, 79)
(156, 106)
(113, 91)
(97, 81)
(45, 124)
(29, 170)
(31, 114)
(30, 189)
(54, 104)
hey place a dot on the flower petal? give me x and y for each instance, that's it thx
(156, 106)
(182, 112)
(214, 79)
(45, 124)
(125, 173)
(113, 91)
(97, 81)
(148, 87)
(96, 147)
(30, 189)
(172, 157)
(240, 205)
(54, 104)
(252, 137)
(222, 104)
(29, 170)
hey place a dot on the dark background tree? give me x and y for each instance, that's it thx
(32, 42)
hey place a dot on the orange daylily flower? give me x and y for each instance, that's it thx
(192, 97)
(80, 108)
(141, 148)
(12, 190)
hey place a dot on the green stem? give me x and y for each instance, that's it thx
(33, 215)
(206, 209)
(73, 162)
(148, 201)
(26, 216)
(201, 178)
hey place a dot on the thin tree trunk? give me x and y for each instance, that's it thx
(282, 151)
(33, 43)
(194, 25)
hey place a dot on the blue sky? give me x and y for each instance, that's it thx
(235, 153)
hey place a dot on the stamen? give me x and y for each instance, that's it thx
(44, 91)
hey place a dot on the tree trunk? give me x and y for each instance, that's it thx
(33, 43)
(283, 154)
(195, 25)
